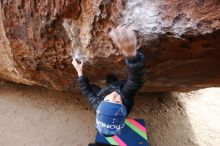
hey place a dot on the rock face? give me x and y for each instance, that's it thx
(180, 40)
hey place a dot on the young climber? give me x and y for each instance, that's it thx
(113, 102)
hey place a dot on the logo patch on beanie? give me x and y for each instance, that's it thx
(109, 126)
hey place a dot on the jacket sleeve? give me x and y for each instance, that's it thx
(136, 75)
(87, 92)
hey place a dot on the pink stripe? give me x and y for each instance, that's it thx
(119, 141)
(142, 128)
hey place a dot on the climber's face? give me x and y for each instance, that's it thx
(113, 97)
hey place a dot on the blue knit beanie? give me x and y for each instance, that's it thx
(110, 118)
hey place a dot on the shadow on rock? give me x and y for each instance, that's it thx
(168, 123)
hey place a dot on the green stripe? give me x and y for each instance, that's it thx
(111, 141)
(138, 131)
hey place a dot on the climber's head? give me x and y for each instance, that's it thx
(110, 115)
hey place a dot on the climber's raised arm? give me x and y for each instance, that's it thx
(125, 39)
(136, 74)
(85, 87)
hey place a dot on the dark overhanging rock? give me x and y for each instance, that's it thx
(180, 41)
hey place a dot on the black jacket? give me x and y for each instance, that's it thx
(126, 89)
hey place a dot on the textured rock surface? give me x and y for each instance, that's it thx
(179, 38)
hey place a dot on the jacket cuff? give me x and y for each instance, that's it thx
(136, 58)
(81, 78)
(135, 62)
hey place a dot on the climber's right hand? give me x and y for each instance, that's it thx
(78, 66)
(125, 39)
